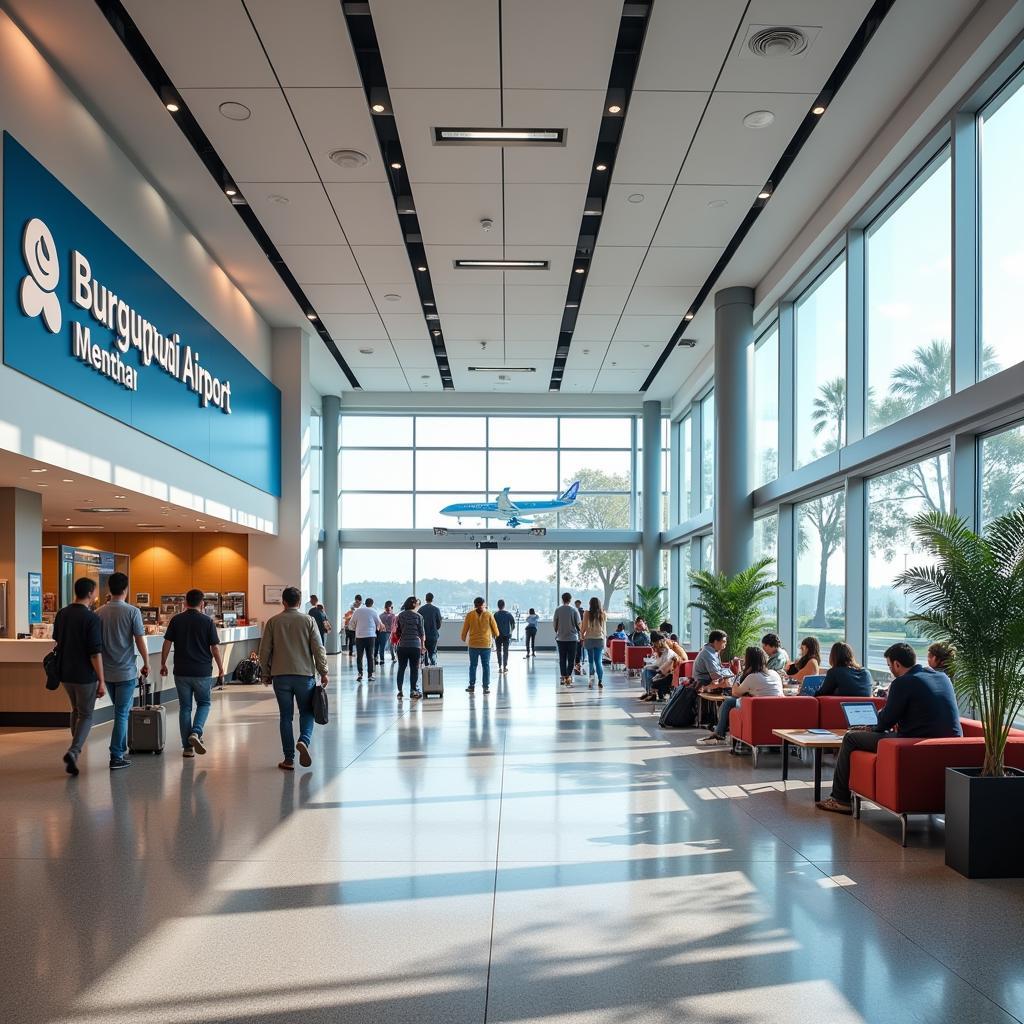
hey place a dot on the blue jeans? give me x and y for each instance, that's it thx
(188, 687)
(383, 640)
(483, 655)
(431, 644)
(647, 677)
(594, 656)
(292, 690)
(121, 696)
(723, 715)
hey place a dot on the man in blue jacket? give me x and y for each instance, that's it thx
(921, 705)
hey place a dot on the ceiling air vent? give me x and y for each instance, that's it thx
(778, 41)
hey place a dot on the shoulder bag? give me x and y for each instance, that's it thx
(51, 666)
(320, 707)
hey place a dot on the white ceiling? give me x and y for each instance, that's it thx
(686, 172)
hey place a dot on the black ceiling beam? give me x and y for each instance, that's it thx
(141, 52)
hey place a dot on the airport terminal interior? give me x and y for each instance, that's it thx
(355, 345)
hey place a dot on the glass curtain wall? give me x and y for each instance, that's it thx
(766, 545)
(685, 469)
(821, 569)
(766, 408)
(707, 451)
(1001, 471)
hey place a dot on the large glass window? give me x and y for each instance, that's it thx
(375, 511)
(450, 470)
(766, 408)
(383, 574)
(376, 432)
(909, 299)
(766, 545)
(604, 574)
(894, 499)
(821, 569)
(455, 578)
(523, 432)
(685, 468)
(1001, 458)
(707, 451)
(683, 627)
(523, 470)
(367, 470)
(451, 432)
(596, 433)
(820, 397)
(523, 579)
(1001, 136)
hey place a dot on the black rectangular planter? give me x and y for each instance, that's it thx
(985, 823)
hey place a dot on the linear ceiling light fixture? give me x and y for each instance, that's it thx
(501, 264)
(858, 44)
(153, 71)
(499, 136)
(502, 369)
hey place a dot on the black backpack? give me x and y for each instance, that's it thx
(681, 710)
(247, 672)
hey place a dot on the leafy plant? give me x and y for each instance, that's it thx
(649, 606)
(735, 604)
(973, 597)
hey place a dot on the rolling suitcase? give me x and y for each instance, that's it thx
(432, 681)
(681, 710)
(147, 725)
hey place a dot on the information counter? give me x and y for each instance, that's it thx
(24, 699)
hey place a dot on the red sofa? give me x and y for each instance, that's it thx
(618, 655)
(635, 659)
(751, 723)
(908, 776)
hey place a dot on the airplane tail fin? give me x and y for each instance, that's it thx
(570, 494)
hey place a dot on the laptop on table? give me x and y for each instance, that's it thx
(860, 714)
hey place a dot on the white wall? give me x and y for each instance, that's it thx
(37, 108)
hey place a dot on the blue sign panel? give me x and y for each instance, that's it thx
(85, 315)
(35, 597)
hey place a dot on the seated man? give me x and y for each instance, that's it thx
(620, 633)
(658, 676)
(921, 704)
(776, 654)
(757, 680)
(707, 666)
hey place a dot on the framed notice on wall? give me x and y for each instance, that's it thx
(141, 598)
(35, 597)
(272, 593)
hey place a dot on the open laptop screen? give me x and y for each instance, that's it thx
(860, 713)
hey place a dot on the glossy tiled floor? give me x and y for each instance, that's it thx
(535, 856)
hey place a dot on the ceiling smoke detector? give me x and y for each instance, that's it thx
(348, 158)
(759, 119)
(775, 42)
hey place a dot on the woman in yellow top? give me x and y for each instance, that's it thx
(478, 628)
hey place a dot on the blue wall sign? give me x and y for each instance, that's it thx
(85, 315)
(35, 597)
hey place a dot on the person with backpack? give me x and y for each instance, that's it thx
(477, 629)
(123, 635)
(318, 614)
(506, 622)
(411, 646)
(388, 618)
(78, 634)
(592, 629)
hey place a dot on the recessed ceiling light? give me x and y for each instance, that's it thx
(396, 166)
(235, 111)
(502, 369)
(759, 119)
(66, 480)
(311, 316)
(422, 270)
(615, 108)
(366, 351)
(689, 316)
(37, 470)
(378, 108)
(169, 98)
(601, 167)
(766, 192)
(818, 110)
(230, 190)
(276, 197)
(499, 136)
(581, 270)
(392, 297)
(437, 334)
(572, 305)
(427, 303)
(172, 106)
(42, 485)
(348, 158)
(500, 264)
(636, 197)
(717, 204)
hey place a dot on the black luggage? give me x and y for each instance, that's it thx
(147, 723)
(247, 671)
(681, 710)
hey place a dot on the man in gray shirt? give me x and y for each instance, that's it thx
(707, 666)
(123, 635)
(775, 653)
(567, 634)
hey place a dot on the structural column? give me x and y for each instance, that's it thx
(332, 539)
(650, 476)
(21, 552)
(733, 509)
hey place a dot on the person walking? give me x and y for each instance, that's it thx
(532, 621)
(350, 633)
(365, 624)
(193, 636)
(78, 634)
(432, 625)
(477, 629)
(411, 647)
(566, 621)
(318, 614)
(387, 621)
(592, 629)
(123, 635)
(290, 655)
(506, 622)
(578, 666)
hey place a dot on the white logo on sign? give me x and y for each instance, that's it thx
(37, 289)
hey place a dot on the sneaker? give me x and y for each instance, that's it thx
(188, 752)
(590, 685)
(195, 741)
(304, 759)
(600, 685)
(119, 762)
(369, 679)
(417, 694)
(287, 765)
(70, 763)
(359, 678)
(469, 689)
(714, 740)
(400, 697)
(487, 690)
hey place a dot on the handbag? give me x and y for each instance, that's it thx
(320, 707)
(51, 666)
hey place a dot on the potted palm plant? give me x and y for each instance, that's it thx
(972, 597)
(735, 604)
(650, 606)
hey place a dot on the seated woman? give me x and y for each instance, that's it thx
(658, 677)
(809, 661)
(640, 637)
(756, 680)
(941, 657)
(845, 677)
